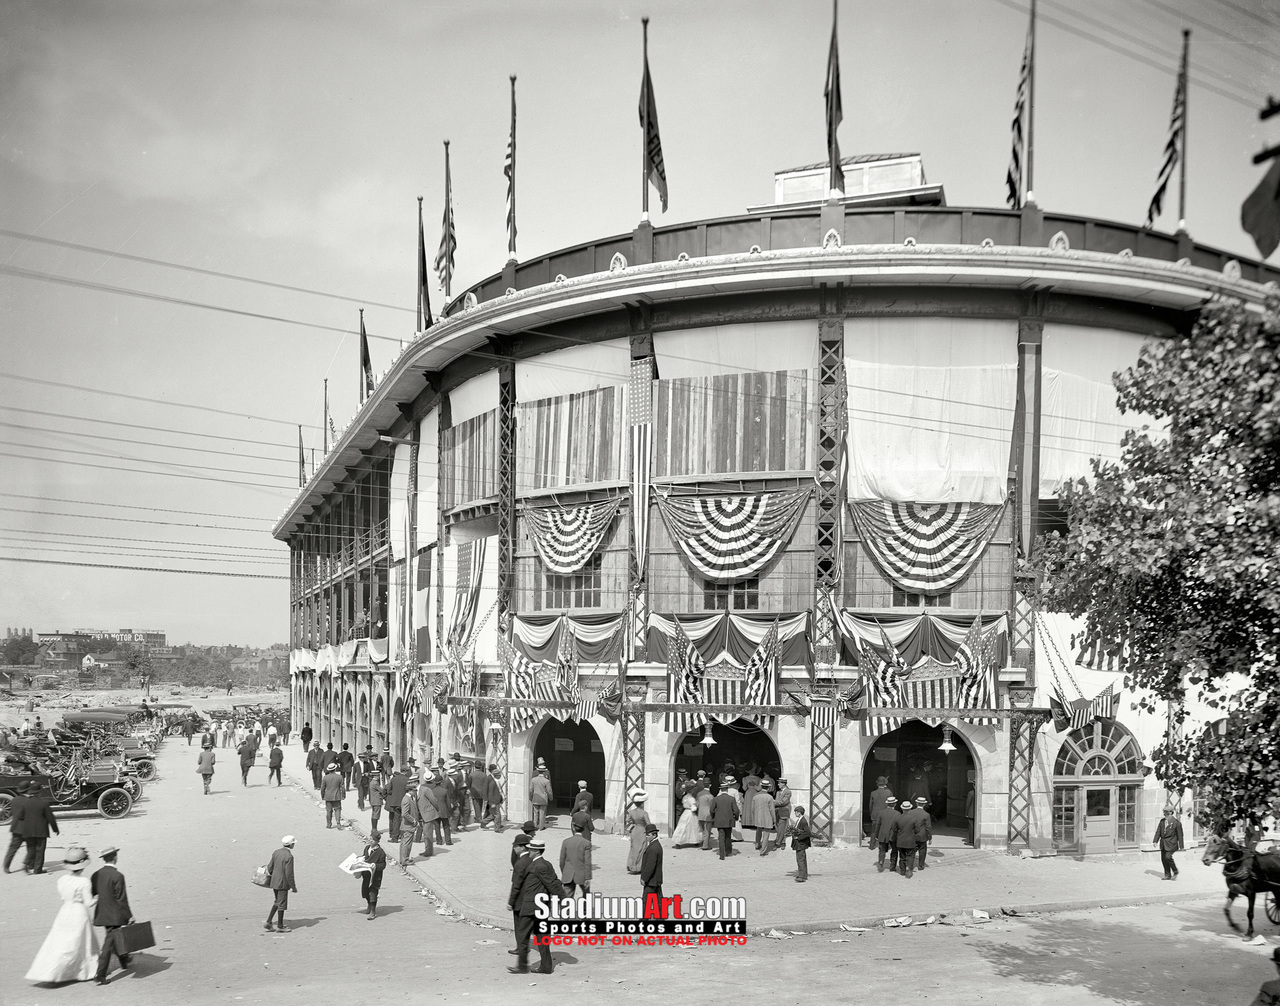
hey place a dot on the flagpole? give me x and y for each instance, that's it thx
(644, 143)
(832, 146)
(511, 224)
(1182, 161)
(326, 416)
(1031, 112)
(448, 214)
(422, 258)
(361, 352)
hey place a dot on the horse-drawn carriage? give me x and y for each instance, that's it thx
(1247, 873)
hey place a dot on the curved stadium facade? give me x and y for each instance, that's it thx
(753, 490)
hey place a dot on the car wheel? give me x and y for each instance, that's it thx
(114, 802)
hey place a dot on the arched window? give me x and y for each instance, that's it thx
(1096, 780)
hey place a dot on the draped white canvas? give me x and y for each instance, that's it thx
(474, 397)
(736, 349)
(574, 369)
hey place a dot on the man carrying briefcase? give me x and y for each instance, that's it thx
(111, 912)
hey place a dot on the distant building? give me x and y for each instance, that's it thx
(145, 637)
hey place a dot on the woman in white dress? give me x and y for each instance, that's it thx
(688, 830)
(70, 951)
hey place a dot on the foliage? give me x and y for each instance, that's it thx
(1174, 551)
(20, 650)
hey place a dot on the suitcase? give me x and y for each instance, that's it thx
(137, 936)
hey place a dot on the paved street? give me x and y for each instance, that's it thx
(188, 858)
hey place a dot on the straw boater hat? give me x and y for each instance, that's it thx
(537, 846)
(76, 858)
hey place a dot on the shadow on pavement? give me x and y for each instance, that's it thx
(305, 923)
(1209, 919)
(560, 957)
(142, 965)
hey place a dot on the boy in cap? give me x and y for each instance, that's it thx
(280, 872)
(371, 882)
(800, 842)
(538, 878)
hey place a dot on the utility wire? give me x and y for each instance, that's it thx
(24, 236)
(134, 471)
(146, 443)
(148, 461)
(150, 553)
(143, 541)
(142, 569)
(134, 506)
(152, 428)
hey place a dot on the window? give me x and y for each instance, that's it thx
(1127, 818)
(1064, 815)
(574, 590)
(1103, 748)
(906, 599)
(743, 595)
(1198, 804)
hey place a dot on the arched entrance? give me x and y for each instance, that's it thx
(1097, 778)
(739, 747)
(914, 764)
(572, 751)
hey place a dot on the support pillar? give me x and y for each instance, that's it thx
(1023, 727)
(632, 750)
(640, 406)
(506, 488)
(822, 762)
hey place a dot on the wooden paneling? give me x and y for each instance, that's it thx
(934, 228)
(795, 232)
(614, 564)
(733, 237)
(754, 422)
(571, 440)
(471, 456)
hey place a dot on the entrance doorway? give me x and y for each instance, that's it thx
(1096, 780)
(740, 747)
(572, 751)
(910, 759)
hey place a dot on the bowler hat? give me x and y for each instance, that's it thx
(651, 829)
(521, 839)
(529, 827)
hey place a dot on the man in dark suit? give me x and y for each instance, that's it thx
(492, 800)
(477, 783)
(37, 821)
(280, 872)
(111, 912)
(539, 878)
(876, 803)
(394, 796)
(575, 863)
(519, 864)
(1168, 839)
(16, 807)
(651, 865)
(346, 760)
(801, 839)
(315, 765)
(724, 812)
(886, 835)
(910, 836)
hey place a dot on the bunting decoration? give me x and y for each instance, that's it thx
(685, 671)
(732, 537)
(925, 547)
(835, 110)
(521, 684)
(567, 537)
(467, 595)
(609, 703)
(886, 689)
(1013, 177)
(640, 407)
(1079, 713)
(760, 676)
(1175, 144)
(567, 671)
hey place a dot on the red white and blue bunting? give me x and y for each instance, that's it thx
(732, 537)
(925, 547)
(466, 598)
(685, 670)
(566, 537)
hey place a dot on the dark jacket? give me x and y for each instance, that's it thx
(331, 788)
(345, 760)
(375, 791)
(583, 801)
(112, 909)
(1168, 835)
(37, 819)
(539, 878)
(575, 860)
(247, 754)
(800, 836)
(724, 810)
(376, 855)
(651, 865)
(276, 758)
(205, 761)
(876, 802)
(306, 736)
(913, 828)
(476, 782)
(887, 826)
(16, 807)
(315, 759)
(492, 791)
(397, 788)
(280, 870)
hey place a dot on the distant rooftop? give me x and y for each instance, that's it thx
(869, 180)
(846, 161)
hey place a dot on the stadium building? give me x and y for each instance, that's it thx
(756, 490)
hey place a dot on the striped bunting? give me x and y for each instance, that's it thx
(567, 537)
(640, 406)
(467, 595)
(822, 711)
(927, 547)
(684, 683)
(521, 681)
(732, 537)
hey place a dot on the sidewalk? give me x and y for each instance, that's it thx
(473, 876)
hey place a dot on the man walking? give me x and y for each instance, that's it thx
(331, 793)
(705, 802)
(540, 797)
(584, 801)
(519, 863)
(886, 835)
(345, 760)
(762, 808)
(651, 867)
(275, 762)
(305, 734)
(926, 823)
(477, 782)
(575, 863)
(909, 835)
(375, 800)
(395, 791)
(280, 872)
(37, 821)
(410, 825)
(204, 765)
(247, 754)
(876, 803)
(111, 912)
(440, 794)
(800, 842)
(493, 800)
(360, 773)
(724, 813)
(538, 878)
(428, 815)
(16, 808)
(1168, 839)
(781, 813)
(315, 764)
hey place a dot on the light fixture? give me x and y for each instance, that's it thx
(707, 739)
(946, 744)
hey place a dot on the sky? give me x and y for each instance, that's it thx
(242, 178)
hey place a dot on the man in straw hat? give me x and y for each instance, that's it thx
(724, 813)
(1168, 839)
(111, 912)
(281, 882)
(331, 790)
(538, 878)
(876, 803)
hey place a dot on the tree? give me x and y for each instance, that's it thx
(1173, 552)
(20, 650)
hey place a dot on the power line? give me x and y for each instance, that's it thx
(144, 426)
(154, 401)
(1247, 13)
(150, 553)
(133, 506)
(146, 443)
(142, 569)
(134, 471)
(145, 541)
(147, 461)
(1184, 17)
(84, 284)
(24, 236)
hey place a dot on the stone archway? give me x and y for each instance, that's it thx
(1097, 785)
(573, 752)
(912, 761)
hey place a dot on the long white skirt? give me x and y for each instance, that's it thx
(688, 831)
(70, 951)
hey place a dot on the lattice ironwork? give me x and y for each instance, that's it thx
(506, 485)
(633, 750)
(1024, 628)
(639, 391)
(822, 794)
(1023, 727)
(828, 541)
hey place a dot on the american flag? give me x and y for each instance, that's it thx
(509, 169)
(886, 690)
(466, 596)
(835, 110)
(366, 363)
(685, 668)
(977, 658)
(640, 405)
(760, 684)
(1013, 178)
(654, 169)
(567, 667)
(1174, 145)
(521, 682)
(424, 297)
(448, 236)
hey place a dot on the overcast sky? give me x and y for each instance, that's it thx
(288, 143)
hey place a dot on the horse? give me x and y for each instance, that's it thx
(1247, 873)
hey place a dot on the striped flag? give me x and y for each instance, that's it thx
(448, 236)
(1175, 145)
(835, 110)
(640, 405)
(567, 666)
(1013, 178)
(760, 681)
(520, 678)
(466, 596)
(685, 669)
(424, 297)
(655, 171)
(302, 460)
(509, 169)
(822, 711)
(366, 363)
(1103, 705)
